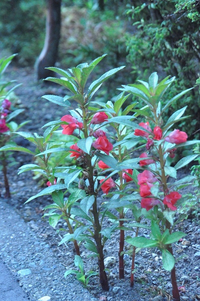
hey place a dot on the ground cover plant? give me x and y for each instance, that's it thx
(101, 142)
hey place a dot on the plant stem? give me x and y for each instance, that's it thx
(6, 183)
(121, 248)
(76, 246)
(133, 261)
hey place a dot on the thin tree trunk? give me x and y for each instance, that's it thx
(49, 53)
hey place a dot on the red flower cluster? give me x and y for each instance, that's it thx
(103, 144)
(73, 124)
(141, 133)
(3, 126)
(99, 117)
(107, 185)
(176, 137)
(125, 175)
(99, 133)
(77, 151)
(171, 199)
(146, 180)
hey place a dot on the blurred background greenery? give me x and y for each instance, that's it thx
(146, 36)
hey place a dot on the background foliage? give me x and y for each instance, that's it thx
(158, 35)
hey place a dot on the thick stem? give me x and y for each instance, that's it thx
(6, 183)
(121, 248)
(175, 291)
(97, 238)
(133, 261)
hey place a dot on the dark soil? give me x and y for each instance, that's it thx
(151, 282)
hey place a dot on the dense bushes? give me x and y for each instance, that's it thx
(22, 28)
(166, 39)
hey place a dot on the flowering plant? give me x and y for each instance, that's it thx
(102, 138)
(7, 125)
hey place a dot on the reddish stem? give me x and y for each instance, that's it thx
(133, 261)
(121, 248)
(175, 291)
(6, 183)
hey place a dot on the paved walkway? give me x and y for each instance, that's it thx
(9, 286)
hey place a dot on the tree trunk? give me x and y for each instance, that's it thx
(49, 53)
(101, 4)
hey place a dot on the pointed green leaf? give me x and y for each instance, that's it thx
(174, 117)
(171, 238)
(153, 80)
(87, 203)
(57, 99)
(16, 148)
(168, 260)
(54, 219)
(14, 114)
(155, 230)
(142, 242)
(89, 245)
(58, 198)
(175, 98)
(63, 82)
(79, 262)
(185, 161)
(102, 79)
(110, 161)
(85, 144)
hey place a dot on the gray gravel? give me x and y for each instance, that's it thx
(32, 262)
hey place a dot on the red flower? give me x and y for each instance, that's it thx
(78, 152)
(171, 152)
(73, 124)
(107, 185)
(146, 176)
(145, 189)
(157, 133)
(126, 176)
(3, 126)
(146, 161)
(149, 203)
(171, 199)
(176, 137)
(103, 165)
(103, 144)
(149, 144)
(6, 104)
(50, 184)
(99, 118)
(141, 133)
(99, 133)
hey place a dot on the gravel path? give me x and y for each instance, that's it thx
(33, 264)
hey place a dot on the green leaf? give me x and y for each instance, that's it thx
(119, 101)
(107, 232)
(4, 62)
(85, 144)
(28, 167)
(63, 82)
(185, 161)
(48, 190)
(14, 114)
(58, 198)
(79, 263)
(53, 150)
(153, 80)
(170, 171)
(173, 237)
(169, 216)
(79, 212)
(155, 230)
(175, 98)
(89, 245)
(168, 260)
(69, 272)
(173, 118)
(27, 136)
(57, 99)
(87, 203)
(110, 161)
(142, 242)
(11, 147)
(62, 73)
(97, 83)
(137, 92)
(54, 219)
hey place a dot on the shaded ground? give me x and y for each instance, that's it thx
(152, 283)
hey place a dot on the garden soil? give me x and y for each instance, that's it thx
(30, 255)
